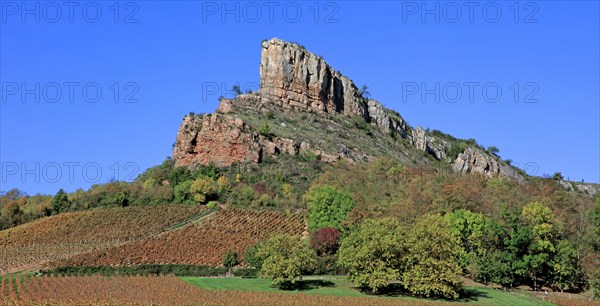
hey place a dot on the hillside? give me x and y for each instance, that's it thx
(317, 178)
(200, 243)
(304, 106)
(34, 244)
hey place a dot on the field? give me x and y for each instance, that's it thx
(34, 244)
(202, 243)
(170, 290)
(338, 286)
(157, 290)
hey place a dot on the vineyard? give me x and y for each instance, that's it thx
(34, 244)
(157, 290)
(202, 243)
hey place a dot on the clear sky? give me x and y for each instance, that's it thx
(97, 90)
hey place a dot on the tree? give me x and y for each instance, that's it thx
(364, 92)
(566, 274)
(236, 88)
(432, 259)
(557, 176)
(181, 193)
(60, 202)
(494, 267)
(373, 253)
(283, 259)
(544, 232)
(477, 234)
(204, 189)
(327, 207)
(251, 258)
(12, 213)
(230, 259)
(325, 241)
(493, 150)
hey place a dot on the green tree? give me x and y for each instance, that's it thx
(478, 235)
(494, 267)
(566, 274)
(236, 89)
(432, 259)
(204, 189)
(493, 150)
(250, 257)
(230, 259)
(373, 253)
(179, 175)
(544, 232)
(182, 194)
(283, 259)
(60, 202)
(364, 92)
(327, 207)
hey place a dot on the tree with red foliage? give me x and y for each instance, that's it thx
(325, 241)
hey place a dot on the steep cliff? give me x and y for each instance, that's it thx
(305, 107)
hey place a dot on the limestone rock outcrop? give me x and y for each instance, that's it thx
(474, 160)
(296, 80)
(427, 143)
(220, 139)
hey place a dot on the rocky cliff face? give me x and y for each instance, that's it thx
(296, 80)
(476, 161)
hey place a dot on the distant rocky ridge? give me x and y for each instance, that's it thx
(295, 80)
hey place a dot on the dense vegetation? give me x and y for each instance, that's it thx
(402, 220)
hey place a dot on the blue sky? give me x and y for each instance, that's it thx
(154, 62)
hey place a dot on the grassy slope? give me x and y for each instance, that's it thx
(341, 287)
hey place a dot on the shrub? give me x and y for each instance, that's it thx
(230, 259)
(212, 204)
(325, 241)
(360, 123)
(148, 269)
(245, 273)
(204, 189)
(265, 130)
